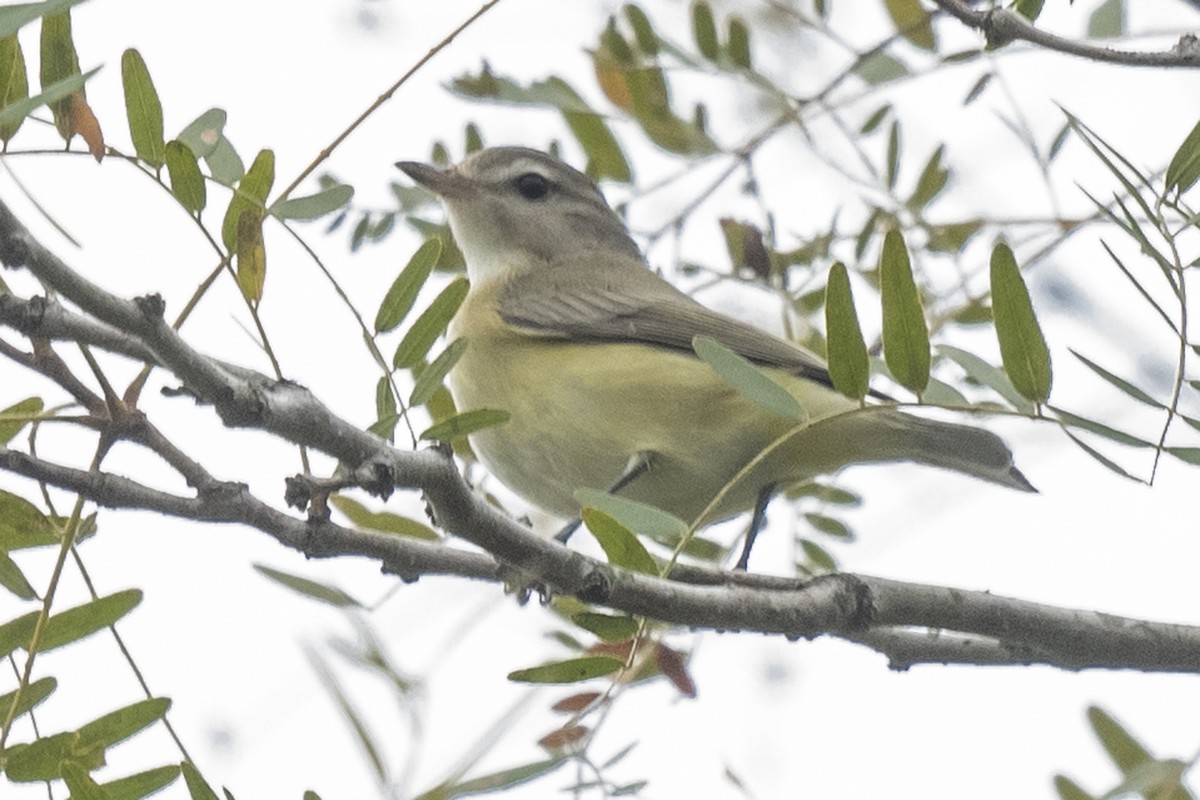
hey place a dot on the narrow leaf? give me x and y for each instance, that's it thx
(1122, 384)
(1184, 169)
(143, 784)
(382, 521)
(250, 255)
(1125, 751)
(1102, 459)
(12, 579)
(495, 781)
(432, 376)
(57, 93)
(739, 43)
(143, 109)
(314, 206)
(1022, 344)
(912, 22)
(251, 195)
(638, 517)
(572, 670)
(893, 154)
(309, 588)
(620, 545)
(59, 62)
(119, 725)
(80, 784)
(1108, 20)
(465, 423)
(14, 82)
(748, 379)
(905, 336)
(931, 182)
(849, 365)
(1069, 790)
(402, 295)
(18, 15)
(187, 183)
(14, 418)
(33, 695)
(421, 335)
(608, 627)
(83, 620)
(704, 30)
(197, 787)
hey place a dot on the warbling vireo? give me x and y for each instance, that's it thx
(591, 353)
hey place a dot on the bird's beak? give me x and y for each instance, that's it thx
(447, 183)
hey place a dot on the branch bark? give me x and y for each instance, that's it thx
(892, 617)
(1001, 26)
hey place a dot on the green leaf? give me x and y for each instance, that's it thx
(932, 181)
(645, 520)
(432, 376)
(33, 696)
(403, 293)
(1069, 790)
(14, 82)
(872, 123)
(1022, 344)
(421, 335)
(1112, 434)
(143, 784)
(620, 545)
(704, 30)
(608, 627)
(382, 521)
(56, 93)
(251, 195)
(830, 526)
(1122, 384)
(849, 365)
(59, 62)
(739, 43)
(1102, 459)
(1030, 9)
(893, 154)
(250, 255)
(123, 723)
(495, 781)
(80, 784)
(912, 22)
(1125, 751)
(14, 419)
(309, 588)
(187, 184)
(817, 556)
(314, 206)
(905, 336)
(18, 15)
(198, 788)
(1107, 21)
(748, 379)
(1188, 455)
(84, 620)
(573, 670)
(984, 373)
(465, 423)
(879, 68)
(202, 134)
(143, 109)
(643, 31)
(23, 525)
(650, 97)
(14, 580)
(1184, 169)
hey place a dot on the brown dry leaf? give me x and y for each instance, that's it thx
(673, 665)
(575, 703)
(563, 737)
(87, 126)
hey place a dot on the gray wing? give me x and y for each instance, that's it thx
(638, 307)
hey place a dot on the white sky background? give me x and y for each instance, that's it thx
(821, 719)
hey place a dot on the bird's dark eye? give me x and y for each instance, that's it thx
(533, 186)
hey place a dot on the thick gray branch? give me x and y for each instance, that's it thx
(1001, 26)
(883, 614)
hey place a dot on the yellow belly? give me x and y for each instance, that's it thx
(581, 413)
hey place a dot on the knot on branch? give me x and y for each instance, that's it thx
(15, 249)
(24, 316)
(854, 600)
(152, 305)
(595, 587)
(377, 477)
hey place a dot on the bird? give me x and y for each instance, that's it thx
(591, 354)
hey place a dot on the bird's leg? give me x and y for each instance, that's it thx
(756, 522)
(637, 467)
